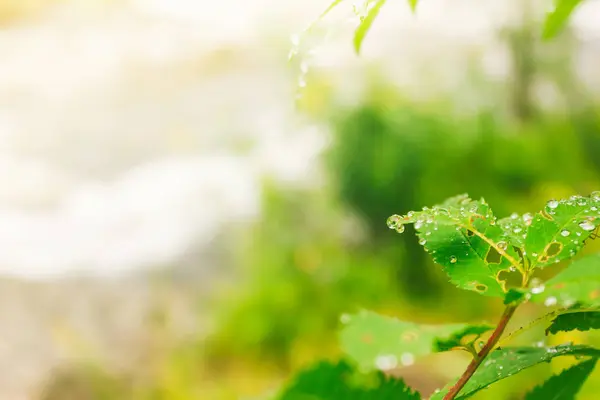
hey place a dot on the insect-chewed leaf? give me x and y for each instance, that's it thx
(462, 235)
(365, 24)
(581, 321)
(462, 338)
(558, 17)
(558, 232)
(565, 385)
(578, 283)
(379, 342)
(506, 362)
(326, 381)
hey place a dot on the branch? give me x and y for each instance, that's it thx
(476, 362)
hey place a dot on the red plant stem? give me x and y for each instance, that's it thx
(476, 362)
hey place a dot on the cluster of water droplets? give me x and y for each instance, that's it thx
(386, 362)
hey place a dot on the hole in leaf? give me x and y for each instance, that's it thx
(480, 287)
(508, 278)
(493, 257)
(469, 233)
(553, 249)
(409, 336)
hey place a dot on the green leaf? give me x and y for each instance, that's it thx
(558, 17)
(326, 381)
(462, 235)
(581, 321)
(365, 24)
(462, 338)
(565, 385)
(579, 283)
(505, 362)
(377, 341)
(333, 5)
(413, 5)
(559, 231)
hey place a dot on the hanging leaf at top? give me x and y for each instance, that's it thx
(565, 385)
(413, 5)
(379, 342)
(581, 321)
(558, 232)
(326, 381)
(505, 362)
(579, 283)
(373, 8)
(462, 235)
(558, 17)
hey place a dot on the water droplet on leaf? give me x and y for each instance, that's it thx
(587, 226)
(453, 259)
(550, 301)
(552, 204)
(407, 359)
(386, 362)
(565, 233)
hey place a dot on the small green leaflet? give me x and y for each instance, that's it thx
(578, 283)
(559, 231)
(379, 342)
(462, 235)
(462, 338)
(581, 321)
(326, 381)
(374, 7)
(505, 362)
(413, 5)
(558, 17)
(565, 385)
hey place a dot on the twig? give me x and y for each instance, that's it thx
(476, 362)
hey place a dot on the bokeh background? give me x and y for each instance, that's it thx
(185, 213)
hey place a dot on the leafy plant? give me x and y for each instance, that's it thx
(554, 22)
(494, 257)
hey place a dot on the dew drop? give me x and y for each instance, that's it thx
(502, 245)
(514, 216)
(552, 204)
(400, 228)
(539, 344)
(393, 221)
(453, 259)
(422, 241)
(581, 201)
(410, 214)
(407, 359)
(419, 224)
(386, 362)
(538, 289)
(565, 233)
(550, 301)
(527, 218)
(587, 226)
(552, 350)
(517, 229)
(595, 195)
